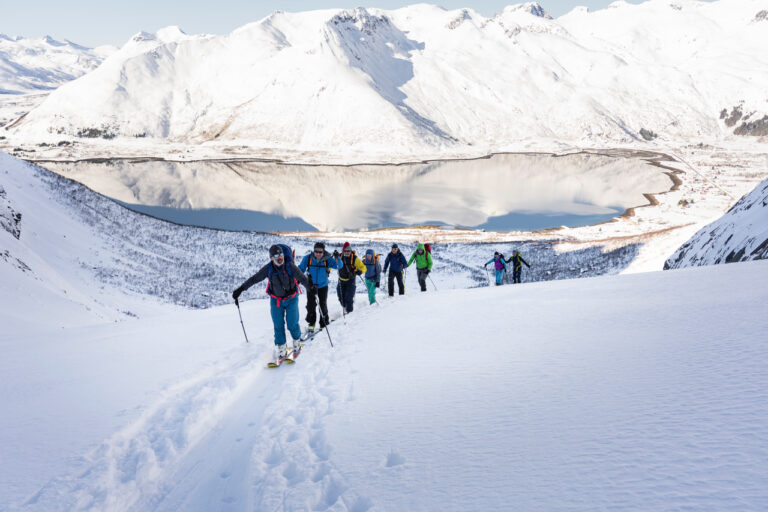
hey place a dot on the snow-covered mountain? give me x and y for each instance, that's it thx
(739, 235)
(33, 65)
(422, 79)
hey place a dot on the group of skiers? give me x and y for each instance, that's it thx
(500, 265)
(284, 276)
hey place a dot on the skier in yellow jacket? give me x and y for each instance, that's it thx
(351, 267)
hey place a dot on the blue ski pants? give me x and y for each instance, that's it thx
(499, 276)
(286, 313)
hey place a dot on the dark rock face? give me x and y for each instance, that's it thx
(756, 128)
(733, 118)
(761, 16)
(647, 134)
(10, 220)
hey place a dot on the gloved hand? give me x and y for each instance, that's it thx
(426, 272)
(358, 272)
(335, 254)
(378, 285)
(237, 293)
(486, 265)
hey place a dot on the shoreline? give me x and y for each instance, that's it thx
(650, 157)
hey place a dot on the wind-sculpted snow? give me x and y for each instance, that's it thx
(739, 235)
(375, 85)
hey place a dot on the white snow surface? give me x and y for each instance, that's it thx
(739, 235)
(34, 65)
(367, 84)
(634, 392)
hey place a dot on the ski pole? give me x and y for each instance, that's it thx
(327, 321)
(489, 276)
(237, 303)
(431, 281)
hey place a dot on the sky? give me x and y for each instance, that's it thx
(96, 22)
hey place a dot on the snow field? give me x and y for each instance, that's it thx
(632, 392)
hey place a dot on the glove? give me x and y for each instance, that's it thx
(358, 272)
(486, 265)
(335, 254)
(236, 293)
(378, 285)
(426, 272)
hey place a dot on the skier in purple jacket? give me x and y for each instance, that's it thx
(500, 265)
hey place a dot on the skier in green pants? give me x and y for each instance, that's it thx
(372, 274)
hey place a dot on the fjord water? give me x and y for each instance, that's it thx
(503, 192)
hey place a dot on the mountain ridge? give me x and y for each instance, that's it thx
(425, 80)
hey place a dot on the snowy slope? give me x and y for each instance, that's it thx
(29, 65)
(642, 392)
(417, 81)
(739, 235)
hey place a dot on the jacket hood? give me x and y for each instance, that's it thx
(420, 246)
(369, 254)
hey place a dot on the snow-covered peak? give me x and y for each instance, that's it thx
(617, 4)
(533, 8)
(170, 34)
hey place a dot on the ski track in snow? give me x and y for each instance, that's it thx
(136, 461)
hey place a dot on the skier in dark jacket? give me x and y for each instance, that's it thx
(396, 262)
(283, 289)
(317, 264)
(517, 266)
(351, 267)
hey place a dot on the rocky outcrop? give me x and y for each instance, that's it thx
(10, 220)
(739, 235)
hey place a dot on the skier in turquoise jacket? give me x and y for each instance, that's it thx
(372, 274)
(500, 266)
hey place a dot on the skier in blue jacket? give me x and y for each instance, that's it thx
(500, 266)
(317, 265)
(396, 262)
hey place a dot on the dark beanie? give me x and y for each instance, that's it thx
(274, 251)
(319, 245)
(394, 246)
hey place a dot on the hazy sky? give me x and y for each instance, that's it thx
(95, 22)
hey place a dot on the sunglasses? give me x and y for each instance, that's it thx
(318, 251)
(277, 256)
